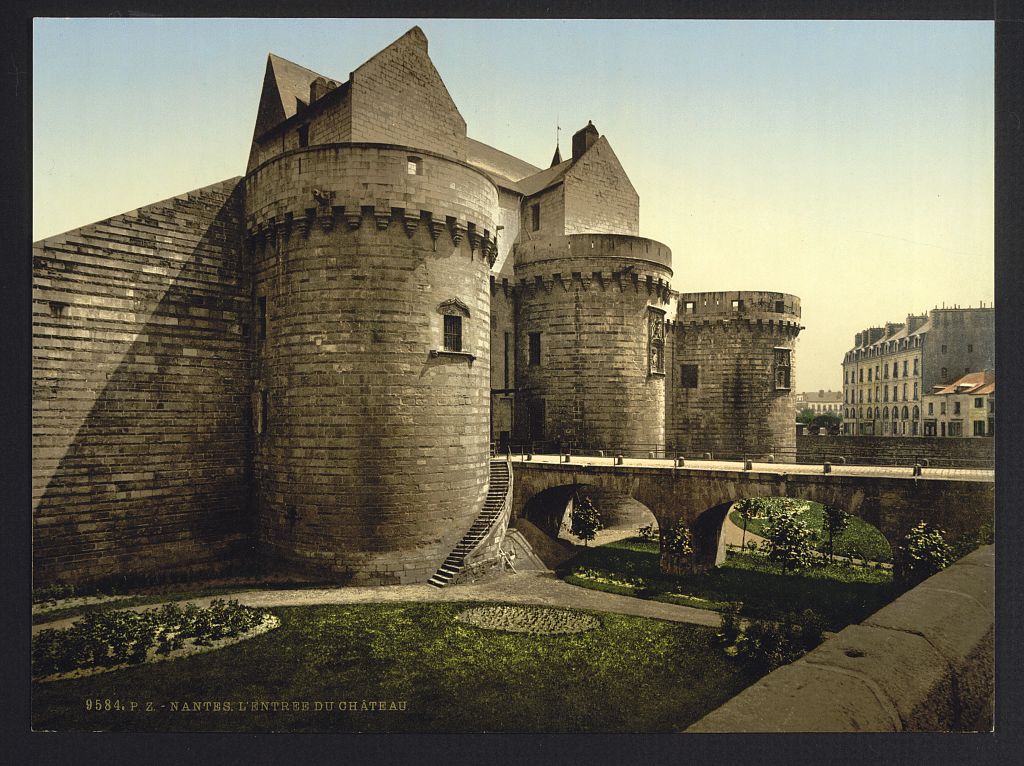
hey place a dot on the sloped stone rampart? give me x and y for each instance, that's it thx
(925, 662)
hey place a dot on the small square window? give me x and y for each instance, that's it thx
(943, 348)
(690, 307)
(780, 307)
(970, 348)
(415, 166)
(737, 305)
(452, 333)
(535, 216)
(58, 309)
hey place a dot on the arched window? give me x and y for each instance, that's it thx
(895, 413)
(877, 417)
(917, 412)
(906, 412)
(885, 414)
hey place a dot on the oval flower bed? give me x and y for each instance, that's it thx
(110, 640)
(536, 620)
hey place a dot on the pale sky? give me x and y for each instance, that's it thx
(848, 163)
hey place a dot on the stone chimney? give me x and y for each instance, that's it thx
(874, 333)
(913, 322)
(320, 87)
(857, 340)
(583, 140)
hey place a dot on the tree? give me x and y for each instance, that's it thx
(923, 552)
(586, 520)
(748, 508)
(789, 541)
(836, 520)
(805, 416)
(827, 420)
(676, 544)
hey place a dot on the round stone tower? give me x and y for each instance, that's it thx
(372, 356)
(733, 375)
(591, 343)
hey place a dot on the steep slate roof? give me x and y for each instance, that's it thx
(544, 179)
(504, 168)
(285, 84)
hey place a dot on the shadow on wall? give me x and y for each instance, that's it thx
(141, 424)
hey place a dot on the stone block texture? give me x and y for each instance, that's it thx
(588, 298)
(141, 452)
(372, 462)
(722, 389)
(897, 450)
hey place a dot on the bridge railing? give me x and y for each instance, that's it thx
(847, 454)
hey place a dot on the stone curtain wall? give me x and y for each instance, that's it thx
(140, 392)
(599, 198)
(374, 460)
(588, 297)
(897, 450)
(925, 662)
(735, 409)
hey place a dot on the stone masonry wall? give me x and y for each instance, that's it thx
(735, 410)
(925, 662)
(897, 450)
(956, 329)
(398, 97)
(552, 214)
(374, 459)
(140, 392)
(599, 197)
(588, 297)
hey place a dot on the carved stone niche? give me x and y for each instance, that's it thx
(324, 209)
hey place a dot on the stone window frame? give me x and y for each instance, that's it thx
(457, 310)
(782, 368)
(535, 216)
(414, 165)
(655, 341)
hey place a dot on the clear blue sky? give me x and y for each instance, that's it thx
(849, 163)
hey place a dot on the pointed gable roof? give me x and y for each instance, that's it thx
(285, 85)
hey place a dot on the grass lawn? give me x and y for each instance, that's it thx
(632, 674)
(839, 594)
(859, 539)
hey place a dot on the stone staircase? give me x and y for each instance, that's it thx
(496, 491)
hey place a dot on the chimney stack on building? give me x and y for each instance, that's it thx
(583, 139)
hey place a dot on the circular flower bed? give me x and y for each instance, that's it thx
(536, 620)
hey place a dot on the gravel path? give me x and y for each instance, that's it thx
(524, 588)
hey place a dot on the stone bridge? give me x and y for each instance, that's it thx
(699, 493)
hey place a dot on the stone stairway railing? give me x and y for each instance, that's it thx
(482, 543)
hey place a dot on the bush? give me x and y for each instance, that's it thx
(923, 552)
(124, 636)
(765, 645)
(646, 532)
(789, 541)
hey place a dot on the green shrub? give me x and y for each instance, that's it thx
(924, 551)
(789, 541)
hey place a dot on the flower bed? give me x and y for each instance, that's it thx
(538, 620)
(110, 640)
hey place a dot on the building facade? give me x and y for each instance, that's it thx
(966, 407)
(821, 402)
(312, 362)
(890, 368)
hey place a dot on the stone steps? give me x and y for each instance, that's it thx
(455, 561)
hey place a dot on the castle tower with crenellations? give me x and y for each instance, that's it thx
(311, 364)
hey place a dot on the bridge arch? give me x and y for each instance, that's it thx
(620, 513)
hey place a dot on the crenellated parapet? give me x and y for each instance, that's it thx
(765, 312)
(338, 188)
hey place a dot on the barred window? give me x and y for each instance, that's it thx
(452, 333)
(782, 368)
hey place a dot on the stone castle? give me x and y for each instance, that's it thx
(315, 361)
